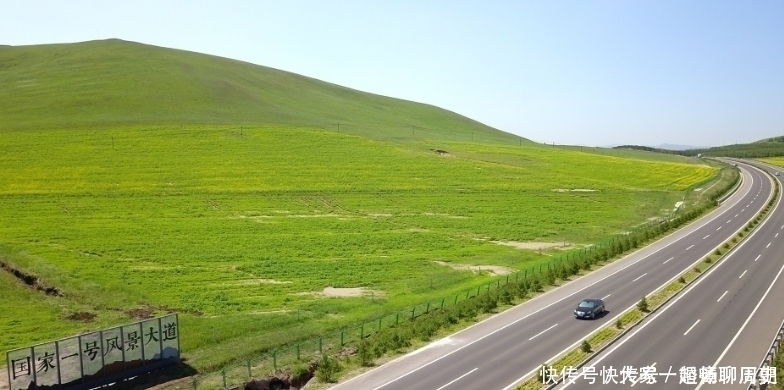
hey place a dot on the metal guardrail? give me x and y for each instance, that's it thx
(768, 361)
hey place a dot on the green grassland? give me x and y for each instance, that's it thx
(779, 161)
(139, 180)
(236, 230)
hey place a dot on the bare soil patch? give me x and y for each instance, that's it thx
(344, 292)
(493, 269)
(532, 245)
(30, 280)
(81, 316)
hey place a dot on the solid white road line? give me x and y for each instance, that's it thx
(706, 236)
(746, 322)
(665, 262)
(722, 296)
(606, 296)
(458, 378)
(744, 273)
(690, 247)
(692, 327)
(542, 332)
(758, 256)
(640, 277)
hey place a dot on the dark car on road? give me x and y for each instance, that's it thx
(589, 308)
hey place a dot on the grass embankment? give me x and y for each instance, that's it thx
(603, 336)
(241, 229)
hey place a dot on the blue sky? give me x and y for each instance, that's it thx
(580, 72)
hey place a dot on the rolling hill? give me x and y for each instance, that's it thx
(138, 179)
(112, 82)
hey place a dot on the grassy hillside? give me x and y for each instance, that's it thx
(139, 180)
(111, 82)
(236, 231)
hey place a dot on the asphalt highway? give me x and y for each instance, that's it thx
(726, 319)
(500, 352)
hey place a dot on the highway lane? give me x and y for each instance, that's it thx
(739, 296)
(496, 353)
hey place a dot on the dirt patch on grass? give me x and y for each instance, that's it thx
(251, 282)
(345, 292)
(532, 245)
(30, 280)
(493, 269)
(140, 313)
(81, 316)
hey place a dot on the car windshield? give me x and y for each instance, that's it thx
(586, 304)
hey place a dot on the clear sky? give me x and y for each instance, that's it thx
(579, 72)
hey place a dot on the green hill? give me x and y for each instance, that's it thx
(769, 147)
(111, 82)
(138, 180)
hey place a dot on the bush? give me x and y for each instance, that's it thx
(506, 297)
(642, 305)
(681, 280)
(697, 269)
(708, 260)
(585, 347)
(618, 324)
(365, 354)
(328, 369)
(536, 285)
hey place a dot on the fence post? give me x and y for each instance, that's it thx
(442, 303)
(223, 372)
(427, 308)
(413, 313)
(361, 332)
(456, 295)
(341, 338)
(249, 374)
(298, 358)
(507, 279)
(321, 343)
(397, 318)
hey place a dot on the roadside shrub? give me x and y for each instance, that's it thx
(618, 324)
(681, 280)
(536, 285)
(586, 346)
(328, 369)
(697, 270)
(642, 305)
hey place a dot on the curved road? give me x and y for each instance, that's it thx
(498, 353)
(726, 319)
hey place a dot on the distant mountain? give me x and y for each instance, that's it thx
(675, 147)
(769, 147)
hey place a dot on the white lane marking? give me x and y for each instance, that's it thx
(606, 296)
(743, 210)
(718, 228)
(692, 327)
(736, 215)
(690, 247)
(668, 260)
(458, 378)
(542, 332)
(782, 227)
(722, 296)
(744, 273)
(747, 321)
(758, 256)
(766, 246)
(776, 235)
(731, 220)
(706, 236)
(639, 277)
